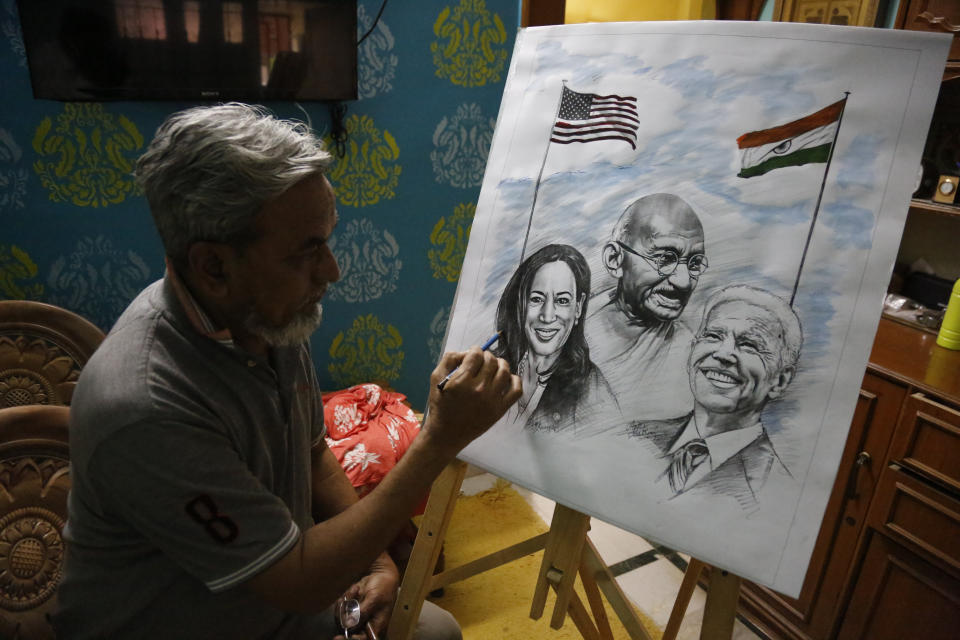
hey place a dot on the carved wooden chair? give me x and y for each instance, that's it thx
(34, 481)
(42, 349)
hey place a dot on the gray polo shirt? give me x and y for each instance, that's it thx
(190, 463)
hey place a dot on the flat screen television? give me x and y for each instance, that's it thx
(247, 50)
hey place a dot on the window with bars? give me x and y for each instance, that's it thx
(280, 25)
(141, 19)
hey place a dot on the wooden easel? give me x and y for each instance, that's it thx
(720, 609)
(567, 552)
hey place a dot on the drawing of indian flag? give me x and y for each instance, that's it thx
(792, 144)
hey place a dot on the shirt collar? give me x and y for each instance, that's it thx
(201, 322)
(722, 446)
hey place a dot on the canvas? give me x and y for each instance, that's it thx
(683, 239)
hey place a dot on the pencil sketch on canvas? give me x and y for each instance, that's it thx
(540, 319)
(683, 238)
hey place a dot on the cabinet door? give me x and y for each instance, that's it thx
(898, 596)
(928, 441)
(813, 616)
(919, 516)
(940, 16)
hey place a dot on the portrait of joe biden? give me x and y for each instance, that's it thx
(743, 355)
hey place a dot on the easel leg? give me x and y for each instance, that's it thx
(567, 551)
(426, 550)
(582, 620)
(721, 607)
(558, 569)
(594, 599)
(687, 587)
(561, 561)
(604, 578)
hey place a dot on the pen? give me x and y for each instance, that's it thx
(486, 345)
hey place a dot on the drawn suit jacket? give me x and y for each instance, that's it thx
(741, 476)
(586, 409)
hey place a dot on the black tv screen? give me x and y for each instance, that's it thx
(191, 49)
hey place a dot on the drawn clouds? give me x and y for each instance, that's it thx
(708, 109)
(692, 110)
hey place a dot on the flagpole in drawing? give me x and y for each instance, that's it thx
(536, 188)
(587, 117)
(810, 139)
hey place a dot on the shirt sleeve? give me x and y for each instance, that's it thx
(186, 490)
(318, 428)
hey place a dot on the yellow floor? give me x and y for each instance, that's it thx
(495, 605)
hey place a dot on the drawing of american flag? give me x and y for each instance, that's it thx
(587, 117)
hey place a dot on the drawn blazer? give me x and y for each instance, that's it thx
(582, 406)
(741, 476)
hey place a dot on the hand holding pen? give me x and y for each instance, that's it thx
(473, 389)
(486, 346)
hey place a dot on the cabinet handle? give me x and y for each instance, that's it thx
(938, 20)
(853, 488)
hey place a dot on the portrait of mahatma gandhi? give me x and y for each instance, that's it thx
(744, 355)
(656, 254)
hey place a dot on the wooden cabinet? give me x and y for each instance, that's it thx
(939, 16)
(812, 615)
(909, 583)
(928, 441)
(900, 596)
(887, 559)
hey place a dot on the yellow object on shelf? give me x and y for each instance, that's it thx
(632, 10)
(949, 336)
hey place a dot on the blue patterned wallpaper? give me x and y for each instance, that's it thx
(75, 232)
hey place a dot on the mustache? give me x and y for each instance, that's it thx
(665, 288)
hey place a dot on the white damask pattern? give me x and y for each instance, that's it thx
(13, 180)
(369, 263)
(376, 64)
(96, 280)
(461, 144)
(11, 29)
(438, 328)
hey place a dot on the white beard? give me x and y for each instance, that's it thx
(298, 330)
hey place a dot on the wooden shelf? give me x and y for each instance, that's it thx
(935, 207)
(909, 323)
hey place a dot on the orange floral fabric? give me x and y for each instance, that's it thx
(368, 429)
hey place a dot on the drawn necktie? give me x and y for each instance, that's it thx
(685, 460)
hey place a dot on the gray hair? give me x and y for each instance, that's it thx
(791, 333)
(209, 171)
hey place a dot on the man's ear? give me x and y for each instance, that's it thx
(784, 378)
(208, 262)
(613, 259)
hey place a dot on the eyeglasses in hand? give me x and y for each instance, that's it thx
(348, 617)
(666, 261)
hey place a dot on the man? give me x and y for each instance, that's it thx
(744, 355)
(205, 503)
(635, 334)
